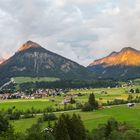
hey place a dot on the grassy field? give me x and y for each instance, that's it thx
(104, 94)
(20, 80)
(93, 119)
(26, 104)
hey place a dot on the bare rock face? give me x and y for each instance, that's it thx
(33, 60)
(118, 65)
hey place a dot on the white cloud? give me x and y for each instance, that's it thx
(87, 2)
(111, 11)
(81, 30)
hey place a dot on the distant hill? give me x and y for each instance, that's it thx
(118, 65)
(35, 61)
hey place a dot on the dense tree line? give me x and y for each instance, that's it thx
(69, 84)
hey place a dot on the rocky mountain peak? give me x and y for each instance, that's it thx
(27, 45)
(125, 49)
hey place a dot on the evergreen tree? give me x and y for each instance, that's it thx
(91, 104)
(4, 124)
(6, 130)
(60, 129)
(111, 125)
(78, 131)
(99, 133)
(34, 133)
(91, 99)
(69, 128)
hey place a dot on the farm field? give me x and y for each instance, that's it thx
(20, 80)
(26, 104)
(93, 119)
(104, 94)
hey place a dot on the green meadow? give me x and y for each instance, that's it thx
(22, 104)
(93, 119)
(20, 80)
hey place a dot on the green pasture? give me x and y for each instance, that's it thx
(103, 94)
(20, 80)
(23, 104)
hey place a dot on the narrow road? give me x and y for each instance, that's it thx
(58, 112)
(76, 110)
(8, 83)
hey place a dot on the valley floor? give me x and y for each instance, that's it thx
(91, 119)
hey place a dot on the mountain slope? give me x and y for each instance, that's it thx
(33, 60)
(118, 65)
(1, 60)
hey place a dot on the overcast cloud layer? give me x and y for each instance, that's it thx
(82, 30)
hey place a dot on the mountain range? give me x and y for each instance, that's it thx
(33, 60)
(124, 64)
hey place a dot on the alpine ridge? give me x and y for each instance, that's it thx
(127, 56)
(124, 64)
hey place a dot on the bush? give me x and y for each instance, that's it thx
(79, 105)
(68, 107)
(87, 107)
(137, 90)
(4, 124)
(49, 109)
(15, 115)
(72, 101)
(27, 115)
(49, 117)
(131, 135)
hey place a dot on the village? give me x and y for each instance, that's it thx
(40, 93)
(43, 94)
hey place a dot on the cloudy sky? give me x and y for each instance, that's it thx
(82, 30)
